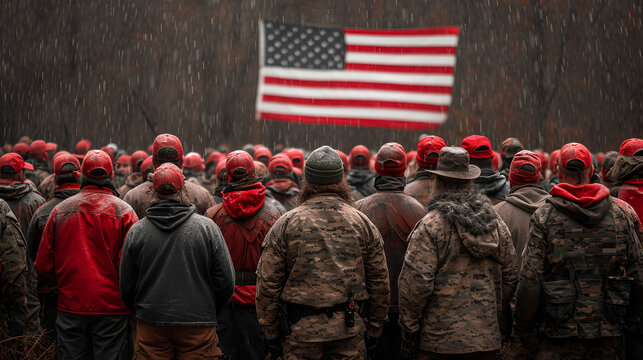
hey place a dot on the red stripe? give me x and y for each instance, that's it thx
(400, 68)
(452, 30)
(357, 85)
(426, 50)
(383, 123)
(356, 103)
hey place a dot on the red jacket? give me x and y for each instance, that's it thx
(244, 220)
(632, 193)
(80, 251)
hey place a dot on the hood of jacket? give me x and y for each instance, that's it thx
(527, 197)
(14, 190)
(359, 176)
(244, 199)
(167, 215)
(493, 184)
(587, 204)
(471, 214)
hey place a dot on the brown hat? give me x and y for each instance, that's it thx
(454, 164)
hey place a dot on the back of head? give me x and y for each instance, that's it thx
(280, 165)
(324, 167)
(297, 157)
(38, 150)
(428, 151)
(66, 167)
(137, 159)
(22, 149)
(239, 165)
(168, 179)
(631, 147)
(553, 161)
(167, 148)
(261, 171)
(359, 157)
(82, 147)
(97, 165)
(479, 149)
(12, 166)
(525, 169)
(262, 154)
(147, 167)
(390, 160)
(510, 147)
(575, 164)
(194, 162)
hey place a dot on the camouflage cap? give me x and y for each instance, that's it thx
(324, 167)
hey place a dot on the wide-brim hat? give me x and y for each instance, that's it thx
(454, 164)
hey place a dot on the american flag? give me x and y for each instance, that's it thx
(377, 78)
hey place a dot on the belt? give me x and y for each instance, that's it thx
(245, 278)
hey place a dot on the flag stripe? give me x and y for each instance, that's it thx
(356, 94)
(393, 59)
(443, 40)
(388, 123)
(449, 30)
(370, 76)
(356, 103)
(357, 85)
(350, 112)
(400, 69)
(402, 49)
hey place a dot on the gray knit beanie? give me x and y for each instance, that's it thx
(324, 167)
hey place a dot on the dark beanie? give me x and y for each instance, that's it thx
(324, 167)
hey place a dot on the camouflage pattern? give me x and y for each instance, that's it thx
(23, 198)
(14, 273)
(458, 274)
(316, 255)
(143, 196)
(351, 348)
(560, 250)
(47, 187)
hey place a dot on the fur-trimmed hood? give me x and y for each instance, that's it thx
(471, 214)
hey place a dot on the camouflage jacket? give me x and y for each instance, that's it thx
(47, 187)
(458, 274)
(14, 277)
(23, 198)
(316, 255)
(143, 196)
(394, 214)
(575, 267)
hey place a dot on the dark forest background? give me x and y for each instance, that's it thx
(547, 72)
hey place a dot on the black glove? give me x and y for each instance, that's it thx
(275, 349)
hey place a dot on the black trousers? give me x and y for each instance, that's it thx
(240, 336)
(97, 337)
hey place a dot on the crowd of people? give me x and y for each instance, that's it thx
(442, 252)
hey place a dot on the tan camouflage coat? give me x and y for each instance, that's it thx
(315, 255)
(458, 273)
(564, 290)
(14, 277)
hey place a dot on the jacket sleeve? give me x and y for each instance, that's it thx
(508, 264)
(13, 274)
(222, 268)
(531, 276)
(417, 276)
(377, 281)
(271, 278)
(635, 270)
(128, 271)
(45, 259)
(34, 234)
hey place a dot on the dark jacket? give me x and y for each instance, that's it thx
(244, 219)
(39, 219)
(175, 268)
(516, 211)
(493, 184)
(420, 186)
(394, 214)
(361, 181)
(284, 190)
(23, 199)
(581, 269)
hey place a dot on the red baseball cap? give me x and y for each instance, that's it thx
(496, 160)
(220, 168)
(97, 165)
(52, 146)
(15, 161)
(525, 168)
(238, 165)
(575, 151)
(215, 156)
(280, 164)
(137, 158)
(167, 148)
(631, 147)
(21, 148)
(38, 150)
(410, 156)
(109, 151)
(478, 147)
(344, 158)
(193, 161)
(428, 151)
(146, 166)
(553, 160)
(263, 154)
(297, 157)
(82, 147)
(124, 159)
(64, 158)
(359, 157)
(168, 179)
(390, 160)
